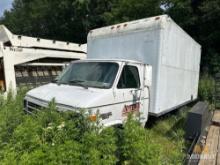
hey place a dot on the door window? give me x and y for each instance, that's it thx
(129, 78)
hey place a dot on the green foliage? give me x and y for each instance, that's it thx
(169, 131)
(200, 18)
(52, 137)
(70, 20)
(67, 20)
(206, 88)
(127, 10)
(137, 145)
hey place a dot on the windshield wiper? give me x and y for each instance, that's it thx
(78, 83)
(54, 81)
(59, 83)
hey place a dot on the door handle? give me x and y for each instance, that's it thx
(136, 90)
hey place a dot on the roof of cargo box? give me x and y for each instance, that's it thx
(156, 22)
(10, 39)
(150, 23)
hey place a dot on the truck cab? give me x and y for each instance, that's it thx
(110, 89)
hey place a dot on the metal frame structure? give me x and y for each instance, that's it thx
(18, 52)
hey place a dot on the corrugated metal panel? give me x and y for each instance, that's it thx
(18, 50)
(24, 41)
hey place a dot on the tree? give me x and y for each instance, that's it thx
(70, 20)
(67, 20)
(200, 18)
(126, 10)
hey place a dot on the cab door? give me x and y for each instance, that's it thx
(128, 90)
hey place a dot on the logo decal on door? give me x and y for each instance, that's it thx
(134, 108)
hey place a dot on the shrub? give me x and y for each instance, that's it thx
(137, 146)
(206, 88)
(52, 137)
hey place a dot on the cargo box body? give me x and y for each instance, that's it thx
(160, 42)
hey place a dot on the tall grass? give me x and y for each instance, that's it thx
(51, 137)
(206, 88)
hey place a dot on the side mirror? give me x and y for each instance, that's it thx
(147, 75)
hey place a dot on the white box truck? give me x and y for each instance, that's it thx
(147, 67)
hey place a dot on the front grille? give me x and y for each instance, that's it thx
(32, 107)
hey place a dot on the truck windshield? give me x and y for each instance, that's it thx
(89, 74)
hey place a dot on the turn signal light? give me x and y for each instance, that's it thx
(92, 118)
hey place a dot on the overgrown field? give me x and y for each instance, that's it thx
(51, 137)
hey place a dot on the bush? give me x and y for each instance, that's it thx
(53, 137)
(206, 88)
(137, 146)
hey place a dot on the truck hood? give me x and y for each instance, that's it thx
(73, 96)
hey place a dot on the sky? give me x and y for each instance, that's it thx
(4, 5)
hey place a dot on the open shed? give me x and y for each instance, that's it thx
(33, 61)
